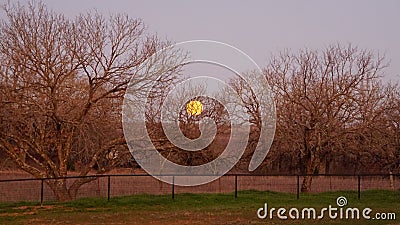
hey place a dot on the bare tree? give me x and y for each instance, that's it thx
(62, 83)
(387, 135)
(249, 98)
(323, 98)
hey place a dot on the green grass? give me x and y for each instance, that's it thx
(194, 209)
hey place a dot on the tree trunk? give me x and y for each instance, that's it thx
(60, 190)
(306, 185)
(322, 166)
(312, 163)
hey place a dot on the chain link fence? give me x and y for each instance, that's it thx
(109, 186)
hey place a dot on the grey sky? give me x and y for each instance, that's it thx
(260, 28)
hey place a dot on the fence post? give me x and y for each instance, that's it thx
(41, 191)
(173, 187)
(391, 181)
(298, 186)
(359, 186)
(236, 186)
(108, 187)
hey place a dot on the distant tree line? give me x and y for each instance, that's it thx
(334, 113)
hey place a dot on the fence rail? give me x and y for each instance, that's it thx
(113, 185)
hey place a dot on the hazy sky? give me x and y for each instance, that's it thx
(261, 28)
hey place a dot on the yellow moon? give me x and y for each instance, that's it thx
(194, 108)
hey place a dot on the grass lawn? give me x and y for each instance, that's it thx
(196, 209)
